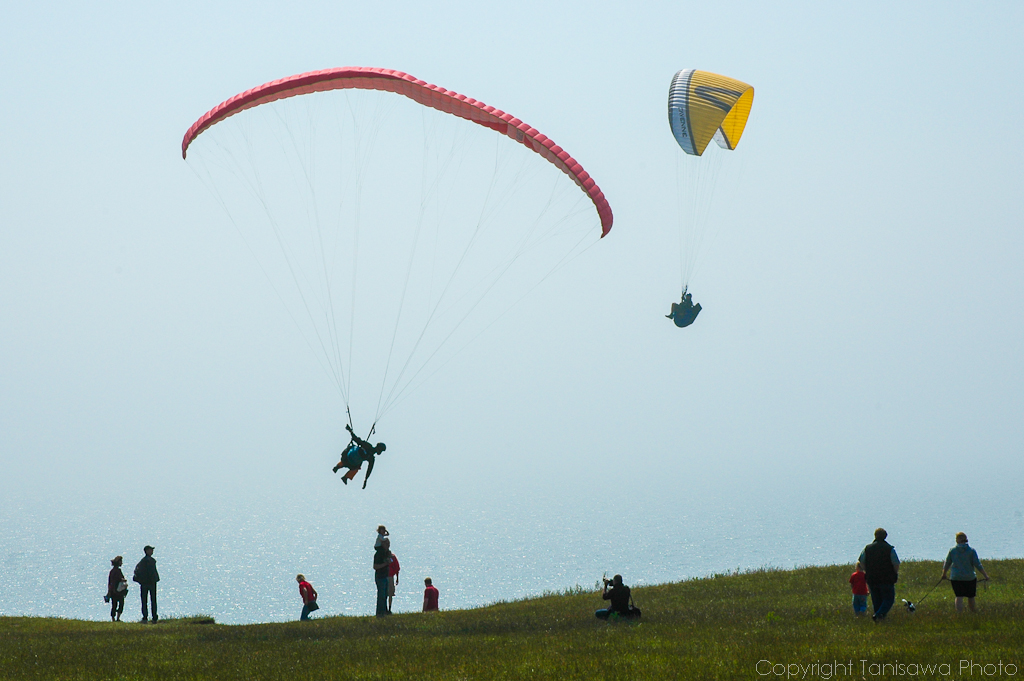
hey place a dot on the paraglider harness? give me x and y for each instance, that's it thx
(684, 312)
(352, 456)
(358, 452)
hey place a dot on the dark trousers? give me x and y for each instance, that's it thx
(151, 590)
(882, 598)
(382, 595)
(606, 614)
(117, 605)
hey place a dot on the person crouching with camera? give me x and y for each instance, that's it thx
(618, 593)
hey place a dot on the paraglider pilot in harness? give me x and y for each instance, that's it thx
(358, 451)
(684, 312)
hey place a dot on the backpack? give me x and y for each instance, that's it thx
(634, 612)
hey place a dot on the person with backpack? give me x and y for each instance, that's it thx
(147, 577)
(620, 596)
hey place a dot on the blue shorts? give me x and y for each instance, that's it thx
(860, 603)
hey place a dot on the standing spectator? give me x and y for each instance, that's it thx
(881, 570)
(380, 575)
(393, 569)
(308, 594)
(382, 534)
(960, 563)
(117, 589)
(859, 585)
(147, 577)
(429, 596)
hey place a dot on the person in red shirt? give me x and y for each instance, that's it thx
(309, 595)
(429, 596)
(859, 584)
(393, 569)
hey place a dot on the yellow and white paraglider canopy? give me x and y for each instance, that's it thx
(703, 106)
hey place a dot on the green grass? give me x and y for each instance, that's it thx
(714, 628)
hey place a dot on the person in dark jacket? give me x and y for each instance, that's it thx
(881, 568)
(147, 577)
(381, 560)
(684, 312)
(619, 595)
(117, 589)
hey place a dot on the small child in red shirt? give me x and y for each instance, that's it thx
(429, 595)
(860, 590)
(393, 569)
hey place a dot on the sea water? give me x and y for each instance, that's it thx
(236, 557)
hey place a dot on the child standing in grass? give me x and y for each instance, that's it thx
(393, 569)
(430, 595)
(859, 584)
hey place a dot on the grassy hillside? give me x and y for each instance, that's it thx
(716, 628)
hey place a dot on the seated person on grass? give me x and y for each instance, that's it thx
(619, 596)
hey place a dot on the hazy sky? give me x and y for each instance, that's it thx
(861, 302)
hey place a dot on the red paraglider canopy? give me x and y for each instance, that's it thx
(389, 80)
